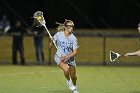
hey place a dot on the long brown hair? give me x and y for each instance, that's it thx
(61, 26)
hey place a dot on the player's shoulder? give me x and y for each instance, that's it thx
(58, 33)
(73, 36)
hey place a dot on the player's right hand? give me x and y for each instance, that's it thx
(51, 38)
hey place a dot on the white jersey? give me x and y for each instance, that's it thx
(65, 45)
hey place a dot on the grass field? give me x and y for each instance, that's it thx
(91, 79)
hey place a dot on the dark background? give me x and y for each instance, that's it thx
(84, 13)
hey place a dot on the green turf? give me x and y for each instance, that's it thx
(44, 79)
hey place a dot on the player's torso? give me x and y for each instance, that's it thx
(65, 44)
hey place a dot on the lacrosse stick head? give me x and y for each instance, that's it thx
(39, 16)
(114, 56)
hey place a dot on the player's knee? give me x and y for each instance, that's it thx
(66, 71)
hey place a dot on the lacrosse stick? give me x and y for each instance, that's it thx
(39, 16)
(114, 56)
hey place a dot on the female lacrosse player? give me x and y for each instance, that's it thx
(67, 50)
(137, 53)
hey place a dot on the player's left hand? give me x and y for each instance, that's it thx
(127, 55)
(64, 58)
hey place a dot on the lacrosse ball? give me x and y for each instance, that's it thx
(39, 17)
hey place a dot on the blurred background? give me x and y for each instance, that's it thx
(85, 13)
(100, 26)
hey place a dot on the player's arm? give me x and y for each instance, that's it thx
(54, 38)
(137, 53)
(74, 53)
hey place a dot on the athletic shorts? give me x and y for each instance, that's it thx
(70, 61)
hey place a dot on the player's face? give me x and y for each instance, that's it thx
(69, 27)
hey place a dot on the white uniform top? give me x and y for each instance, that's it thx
(65, 45)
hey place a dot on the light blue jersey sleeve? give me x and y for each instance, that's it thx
(55, 37)
(75, 43)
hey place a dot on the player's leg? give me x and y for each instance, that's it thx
(36, 51)
(72, 71)
(21, 51)
(14, 54)
(65, 68)
(42, 50)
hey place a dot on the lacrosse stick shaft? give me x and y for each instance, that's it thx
(50, 36)
(52, 39)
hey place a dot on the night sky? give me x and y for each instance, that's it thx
(84, 13)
